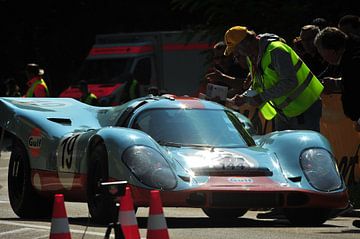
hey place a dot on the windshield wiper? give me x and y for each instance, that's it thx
(166, 143)
(200, 146)
(179, 145)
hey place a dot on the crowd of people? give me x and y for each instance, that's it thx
(286, 80)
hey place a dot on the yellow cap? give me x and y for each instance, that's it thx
(234, 36)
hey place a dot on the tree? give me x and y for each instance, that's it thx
(284, 18)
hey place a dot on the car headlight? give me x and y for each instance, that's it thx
(149, 167)
(320, 169)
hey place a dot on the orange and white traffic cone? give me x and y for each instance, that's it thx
(59, 222)
(127, 217)
(156, 225)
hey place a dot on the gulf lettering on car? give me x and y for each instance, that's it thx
(34, 142)
(66, 160)
(240, 180)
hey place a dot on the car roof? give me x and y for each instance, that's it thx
(180, 102)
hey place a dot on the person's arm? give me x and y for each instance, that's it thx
(218, 76)
(282, 64)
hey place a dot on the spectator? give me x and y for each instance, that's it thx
(311, 57)
(320, 22)
(154, 90)
(338, 49)
(225, 72)
(350, 25)
(298, 47)
(36, 84)
(283, 87)
(12, 88)
(86, 96)
(127, 91)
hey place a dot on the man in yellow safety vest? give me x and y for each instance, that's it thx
(283, 87)
(36, 84)
(87, 97)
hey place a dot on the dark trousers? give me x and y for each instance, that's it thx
(309, 120)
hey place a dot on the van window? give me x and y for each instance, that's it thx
(102, 71)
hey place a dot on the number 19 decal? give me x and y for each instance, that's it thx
(67, 153)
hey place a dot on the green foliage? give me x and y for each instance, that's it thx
(281, 17)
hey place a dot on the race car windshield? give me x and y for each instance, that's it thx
(192, 128)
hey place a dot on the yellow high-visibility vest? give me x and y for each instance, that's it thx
(298, 100)
(30, 91)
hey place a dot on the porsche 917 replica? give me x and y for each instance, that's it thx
(196, 152)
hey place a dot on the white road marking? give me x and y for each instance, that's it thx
(3, 168)
(14, 231)
(4, 202)
(32, 226)
(43, 236)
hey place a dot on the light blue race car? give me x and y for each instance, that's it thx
(198, 153)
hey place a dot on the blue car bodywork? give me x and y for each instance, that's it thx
(197, 152)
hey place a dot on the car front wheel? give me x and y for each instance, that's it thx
(101, 206)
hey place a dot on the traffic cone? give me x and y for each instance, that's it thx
(127, 217)
(59, 222)
(156, 226)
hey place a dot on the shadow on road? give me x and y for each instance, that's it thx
(190, 222)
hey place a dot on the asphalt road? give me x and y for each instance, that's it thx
(181, 222)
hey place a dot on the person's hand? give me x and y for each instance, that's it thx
(213, 77)
(217, 76)
(238, 100)
(247, 82)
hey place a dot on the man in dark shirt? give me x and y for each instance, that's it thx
(311, 57)
(339, 49)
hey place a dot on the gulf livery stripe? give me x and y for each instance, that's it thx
(118, 50)
(192, 104)
(121, 50)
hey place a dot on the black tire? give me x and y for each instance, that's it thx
(307, 216)
(224, 213)
(24, 200)
(101, 206)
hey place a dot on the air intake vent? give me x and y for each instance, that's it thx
(63, 121)
(295, 179)
(236, 171)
